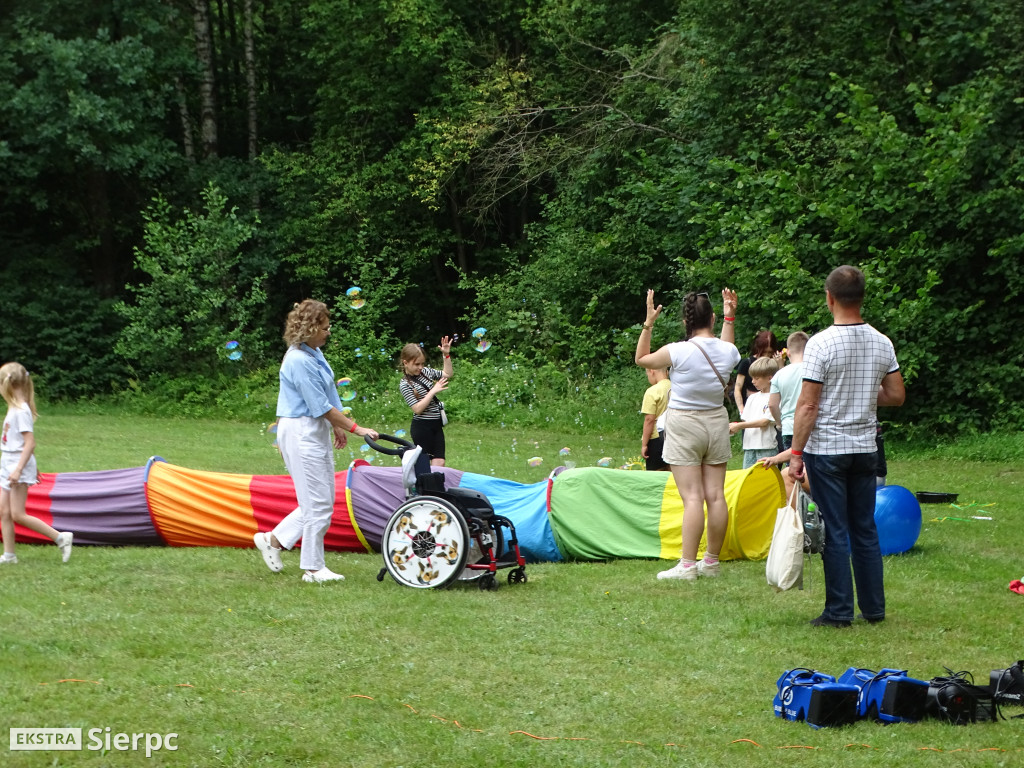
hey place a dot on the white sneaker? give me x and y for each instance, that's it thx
(64, 544)
(680, 573)
(8, 558)
(271, 554)
(711, 570)
(322, 576)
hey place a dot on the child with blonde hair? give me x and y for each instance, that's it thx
(420, 387)
(18, 463)
(757, 422)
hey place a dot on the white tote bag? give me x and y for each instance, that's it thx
(785, 565)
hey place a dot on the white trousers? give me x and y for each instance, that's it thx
(307, 447)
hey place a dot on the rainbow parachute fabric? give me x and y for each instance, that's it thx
(588, 513)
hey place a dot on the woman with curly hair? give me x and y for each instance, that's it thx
(308, 416)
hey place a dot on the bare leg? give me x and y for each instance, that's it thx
(718, 510)
(18, 499)
(690, 484)
(6, 522)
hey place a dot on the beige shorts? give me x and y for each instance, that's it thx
(693, 438)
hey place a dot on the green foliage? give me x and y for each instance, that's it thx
(200, 293)
(64, 335)
(532, 168)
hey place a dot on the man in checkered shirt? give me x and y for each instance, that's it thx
(849, 370)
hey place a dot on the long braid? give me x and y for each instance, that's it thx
(696, 313)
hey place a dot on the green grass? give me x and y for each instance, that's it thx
(600, 662)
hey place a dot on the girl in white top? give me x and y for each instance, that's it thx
(18, 463)
(697, 446)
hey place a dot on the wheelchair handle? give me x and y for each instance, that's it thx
(404, 444)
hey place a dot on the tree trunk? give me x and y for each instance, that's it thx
(207, 81)
(187, 128)
(250, 80)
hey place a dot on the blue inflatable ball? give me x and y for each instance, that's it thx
(898, 519)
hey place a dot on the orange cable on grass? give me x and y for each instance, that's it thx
(73, 680)
(361, 696)
(748, 741)
(539, 738)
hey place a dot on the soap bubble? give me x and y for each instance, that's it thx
(234, 353)
(483, 345)
(364, 447)
(359, 352)
(355, 297)
(272, 429)
(479, 333)
(564, 452)
(347, 411)
(399, 433)
(604, 461)
(346, 389)
(231, 345)
(535, 461)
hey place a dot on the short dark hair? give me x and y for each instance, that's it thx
(846, 284)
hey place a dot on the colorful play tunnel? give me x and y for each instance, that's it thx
(575, 514)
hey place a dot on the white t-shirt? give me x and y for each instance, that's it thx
(695, 386)
(755, 409)
(18, 420)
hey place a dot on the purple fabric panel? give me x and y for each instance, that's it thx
(377, 492)
(106, 507)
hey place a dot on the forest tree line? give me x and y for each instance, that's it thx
(176, 173)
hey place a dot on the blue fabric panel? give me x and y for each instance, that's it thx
(527, 507)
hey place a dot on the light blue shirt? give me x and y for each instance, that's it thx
(307, 384)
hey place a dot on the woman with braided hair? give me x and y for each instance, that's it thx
(697, 446)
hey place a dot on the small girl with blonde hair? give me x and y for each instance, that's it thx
(420, 387)
(18, 462)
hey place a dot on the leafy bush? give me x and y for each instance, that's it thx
(199, 294)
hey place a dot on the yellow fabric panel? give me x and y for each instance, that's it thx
(192, 508)
(670, 527)
(756, 498)
(753, 496)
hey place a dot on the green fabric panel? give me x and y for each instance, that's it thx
(599, 514)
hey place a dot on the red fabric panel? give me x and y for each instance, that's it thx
(37, 505)
(273, 496)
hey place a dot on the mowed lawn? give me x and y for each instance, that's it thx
(587, 664)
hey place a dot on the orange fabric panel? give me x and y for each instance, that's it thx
(192, 508)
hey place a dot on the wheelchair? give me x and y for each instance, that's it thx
(441, 535)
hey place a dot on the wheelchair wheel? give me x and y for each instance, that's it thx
(425, 543)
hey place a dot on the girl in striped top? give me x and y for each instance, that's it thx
(420, 386)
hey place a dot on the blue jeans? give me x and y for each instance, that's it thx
(843, 487)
